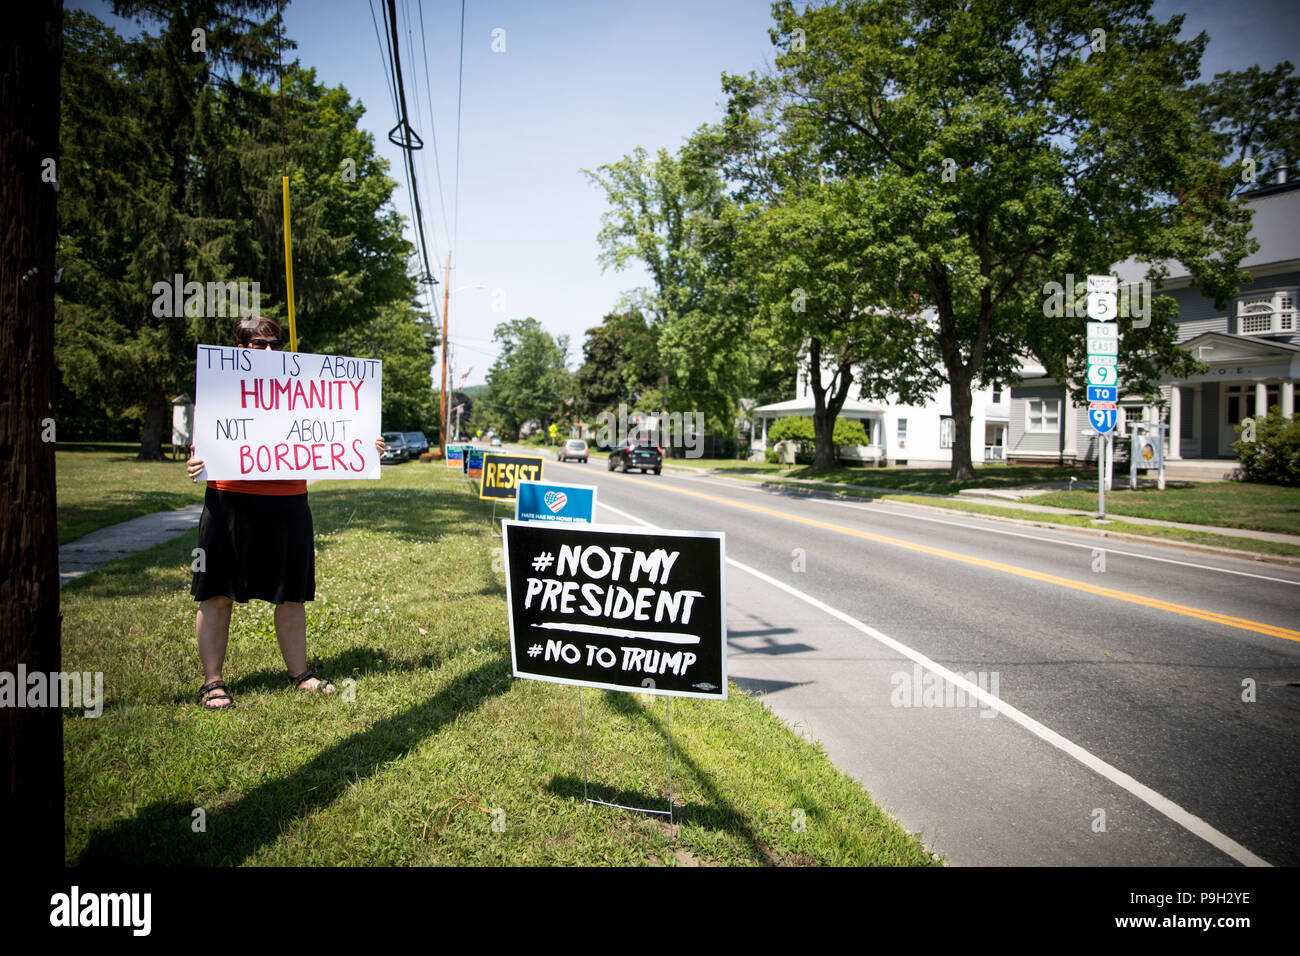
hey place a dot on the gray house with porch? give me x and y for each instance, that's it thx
(1252, 349)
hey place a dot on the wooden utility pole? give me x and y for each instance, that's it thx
(442, 405)
(31, 738)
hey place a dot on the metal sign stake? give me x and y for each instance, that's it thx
(582, 724)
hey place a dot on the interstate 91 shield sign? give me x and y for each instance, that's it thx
(618, 608)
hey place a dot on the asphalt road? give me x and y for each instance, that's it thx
(1104, 719)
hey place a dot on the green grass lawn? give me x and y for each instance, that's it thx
(1228, 504)
(917, 480)
(440, 743)
(102, 484)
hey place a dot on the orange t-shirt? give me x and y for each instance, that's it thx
(290, 486)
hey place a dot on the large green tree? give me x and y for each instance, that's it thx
(136, 211)
(1003, 144)
(1256, 114)
(529, 379)
(405, 340)
(671, 214)
(620, 365)
(820, 271)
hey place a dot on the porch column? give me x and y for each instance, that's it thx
(1261, 400)
(1288, 397)
(1070, 449)
(1175, 423)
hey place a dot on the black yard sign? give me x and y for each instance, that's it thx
(619, 608)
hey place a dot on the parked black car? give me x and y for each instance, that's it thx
(416, 443)
(395, 449)
(644, 455)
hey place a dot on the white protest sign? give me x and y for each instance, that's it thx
(263, 415)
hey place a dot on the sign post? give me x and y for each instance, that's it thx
(1103, 372)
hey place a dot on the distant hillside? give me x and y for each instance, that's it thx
(475, 392)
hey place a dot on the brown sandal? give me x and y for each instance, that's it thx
(207, 695)
(319, 688)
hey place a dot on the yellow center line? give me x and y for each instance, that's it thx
(1212, 616)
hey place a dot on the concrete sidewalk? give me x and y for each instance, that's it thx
(119, 540)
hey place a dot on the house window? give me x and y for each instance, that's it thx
(1043, 415)
(997, 394)
(1265, 314)
(1241, 401)
(1187, 427)
(947, 428)
(902, 433)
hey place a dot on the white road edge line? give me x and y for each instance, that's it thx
(1188, 821)
(1015, 534)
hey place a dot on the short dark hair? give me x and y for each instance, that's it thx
(251, 326)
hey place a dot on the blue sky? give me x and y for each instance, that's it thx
(580, 83)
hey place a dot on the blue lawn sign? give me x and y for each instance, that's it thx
(562, 504)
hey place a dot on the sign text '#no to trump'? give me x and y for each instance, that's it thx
(617, 608)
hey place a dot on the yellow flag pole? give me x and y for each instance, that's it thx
(288, 267)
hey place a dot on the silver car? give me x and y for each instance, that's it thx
(574, 448)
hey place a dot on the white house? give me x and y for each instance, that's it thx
(898, 434)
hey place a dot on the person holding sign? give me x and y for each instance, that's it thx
(255, 541)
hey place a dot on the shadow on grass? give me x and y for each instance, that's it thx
(714, 814)
(160, 833)
(356, 662)
(571, 787)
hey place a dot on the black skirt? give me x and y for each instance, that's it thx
(255, 546)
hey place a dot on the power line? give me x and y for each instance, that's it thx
(460, 84)
(410, 49)
(409, 141)
(433, 129)
(390, 82)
